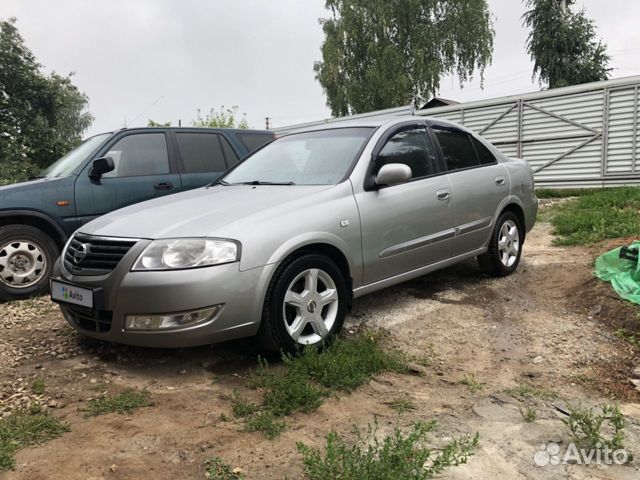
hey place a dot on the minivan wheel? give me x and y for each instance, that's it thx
(505, 247)
(26, 260)
(305, 304)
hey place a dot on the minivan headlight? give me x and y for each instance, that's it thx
(177, 253)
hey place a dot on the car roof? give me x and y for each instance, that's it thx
(375, 122)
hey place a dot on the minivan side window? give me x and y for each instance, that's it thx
(410, 147)
(457, 149)
(200, 152)
(484, 154)
(139, 154)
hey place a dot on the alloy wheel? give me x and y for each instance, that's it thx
(508, 243)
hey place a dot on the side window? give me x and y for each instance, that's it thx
(139, 154)
(229, 153)
(457, 149)
(200, 152)
(411, 147)
(254, 141)
(484, 154)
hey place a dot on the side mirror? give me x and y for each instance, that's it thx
(100, 167)
(393, 174)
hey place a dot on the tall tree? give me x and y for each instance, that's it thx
(41, 116)
(385, 53)
(563, 44)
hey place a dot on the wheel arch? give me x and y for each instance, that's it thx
(37, 220)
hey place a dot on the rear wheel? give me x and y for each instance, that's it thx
(27, 255)
(305, 304)
(505, 247)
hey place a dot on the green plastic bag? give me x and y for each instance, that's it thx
(624, 275)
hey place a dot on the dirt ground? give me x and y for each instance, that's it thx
(551, 325)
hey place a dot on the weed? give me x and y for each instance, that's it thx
(526, 390)
(529, 414)
(218, 469)
(224, 417)
(471, 382)
(398, 455)
(564, 192)
(587, 427)
(241, 407)
(124, 402)
(38, 386)
(402, 404)
(629, 336)
(21, 430)
(266, 423)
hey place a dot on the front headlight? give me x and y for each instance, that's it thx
(177, 253)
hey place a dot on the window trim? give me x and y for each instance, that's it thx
(435, 127)
(369, 183)
(106, 147)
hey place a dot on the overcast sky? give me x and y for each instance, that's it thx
(165, 59)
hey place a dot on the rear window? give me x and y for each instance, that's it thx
(254, 141)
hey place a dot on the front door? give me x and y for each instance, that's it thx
(406, 226)
(142, 171)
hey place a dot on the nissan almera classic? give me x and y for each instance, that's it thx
(284, 241)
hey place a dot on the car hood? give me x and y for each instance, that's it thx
(33, 185)
(202, 212)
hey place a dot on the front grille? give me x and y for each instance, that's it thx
(102, 254)
(91, 320)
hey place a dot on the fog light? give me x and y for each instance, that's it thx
(170, 320)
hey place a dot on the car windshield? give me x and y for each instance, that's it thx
(322, 157)
(67, 164)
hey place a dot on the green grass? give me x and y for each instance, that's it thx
(21, 430)
(303, 381)
(38, 386)
(218, 469)
(631, 337)
(592, 430)
(471, 382)
(529, 414)
(565, 192)
(398, 455)
(266, 423)
(402, 404)
(124, 402)
(526, 390)
(597, 215)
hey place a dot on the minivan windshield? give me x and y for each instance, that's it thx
(321, 157)
(72, 160)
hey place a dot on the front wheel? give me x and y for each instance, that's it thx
(27, 255)
(505, 247)
(305, 304)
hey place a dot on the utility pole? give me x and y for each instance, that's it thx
(267, 122)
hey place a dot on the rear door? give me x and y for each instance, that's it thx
(203, 157)
(143, 170)
(479, 183)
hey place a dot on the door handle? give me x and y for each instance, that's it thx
(163, 186)
(443, 194)
(500, 181)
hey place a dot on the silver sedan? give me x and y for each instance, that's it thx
(282, 243)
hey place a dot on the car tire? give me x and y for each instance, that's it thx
(295, 314)
(505, 247)
(28, 251)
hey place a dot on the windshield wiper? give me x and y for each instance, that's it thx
(217, 182)
(260, 182)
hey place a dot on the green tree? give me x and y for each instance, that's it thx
(563, 44)
(41, 116)
(385, 53)
(225, 118)
(153, 123)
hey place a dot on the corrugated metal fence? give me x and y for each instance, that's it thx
(578, 136)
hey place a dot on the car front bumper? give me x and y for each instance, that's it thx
(123, 292)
